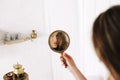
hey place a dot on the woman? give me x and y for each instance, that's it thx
(106, 41)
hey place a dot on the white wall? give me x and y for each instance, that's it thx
(73, 16)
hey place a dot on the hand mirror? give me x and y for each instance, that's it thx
(59, 41)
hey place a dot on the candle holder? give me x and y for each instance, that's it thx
(17, 74)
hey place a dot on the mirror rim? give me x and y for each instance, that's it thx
(61, 51)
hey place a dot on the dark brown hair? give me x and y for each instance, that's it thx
(62, 41)
(106, 39)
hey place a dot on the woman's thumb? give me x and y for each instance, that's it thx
(66, 56)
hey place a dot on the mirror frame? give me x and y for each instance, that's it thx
(67, 37)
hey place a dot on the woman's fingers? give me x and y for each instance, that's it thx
(67, 57)
(63, 61)
(69, 60)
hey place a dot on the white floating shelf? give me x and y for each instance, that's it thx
(13, 38)
(16, 41)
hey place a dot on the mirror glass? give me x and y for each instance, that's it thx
(59, 41)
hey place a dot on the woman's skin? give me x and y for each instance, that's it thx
(71, 66)
(53, 40)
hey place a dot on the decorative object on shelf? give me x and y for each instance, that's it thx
(12, 38)
(18, 69)
(17, 74)
(34, 34)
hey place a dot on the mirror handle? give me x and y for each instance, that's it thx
(64, 61)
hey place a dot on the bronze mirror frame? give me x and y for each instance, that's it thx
(67, 37)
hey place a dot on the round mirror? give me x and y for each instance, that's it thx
(59, 41)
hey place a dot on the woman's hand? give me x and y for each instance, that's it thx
(67, 59)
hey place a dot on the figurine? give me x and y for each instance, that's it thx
(34, 34)
(17, 74)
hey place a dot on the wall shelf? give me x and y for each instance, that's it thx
(16, 41)
(15, 38)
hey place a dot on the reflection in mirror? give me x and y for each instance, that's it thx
(59, 41)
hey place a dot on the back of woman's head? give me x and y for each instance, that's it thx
(106, 39)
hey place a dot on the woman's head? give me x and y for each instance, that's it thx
(106, 39)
